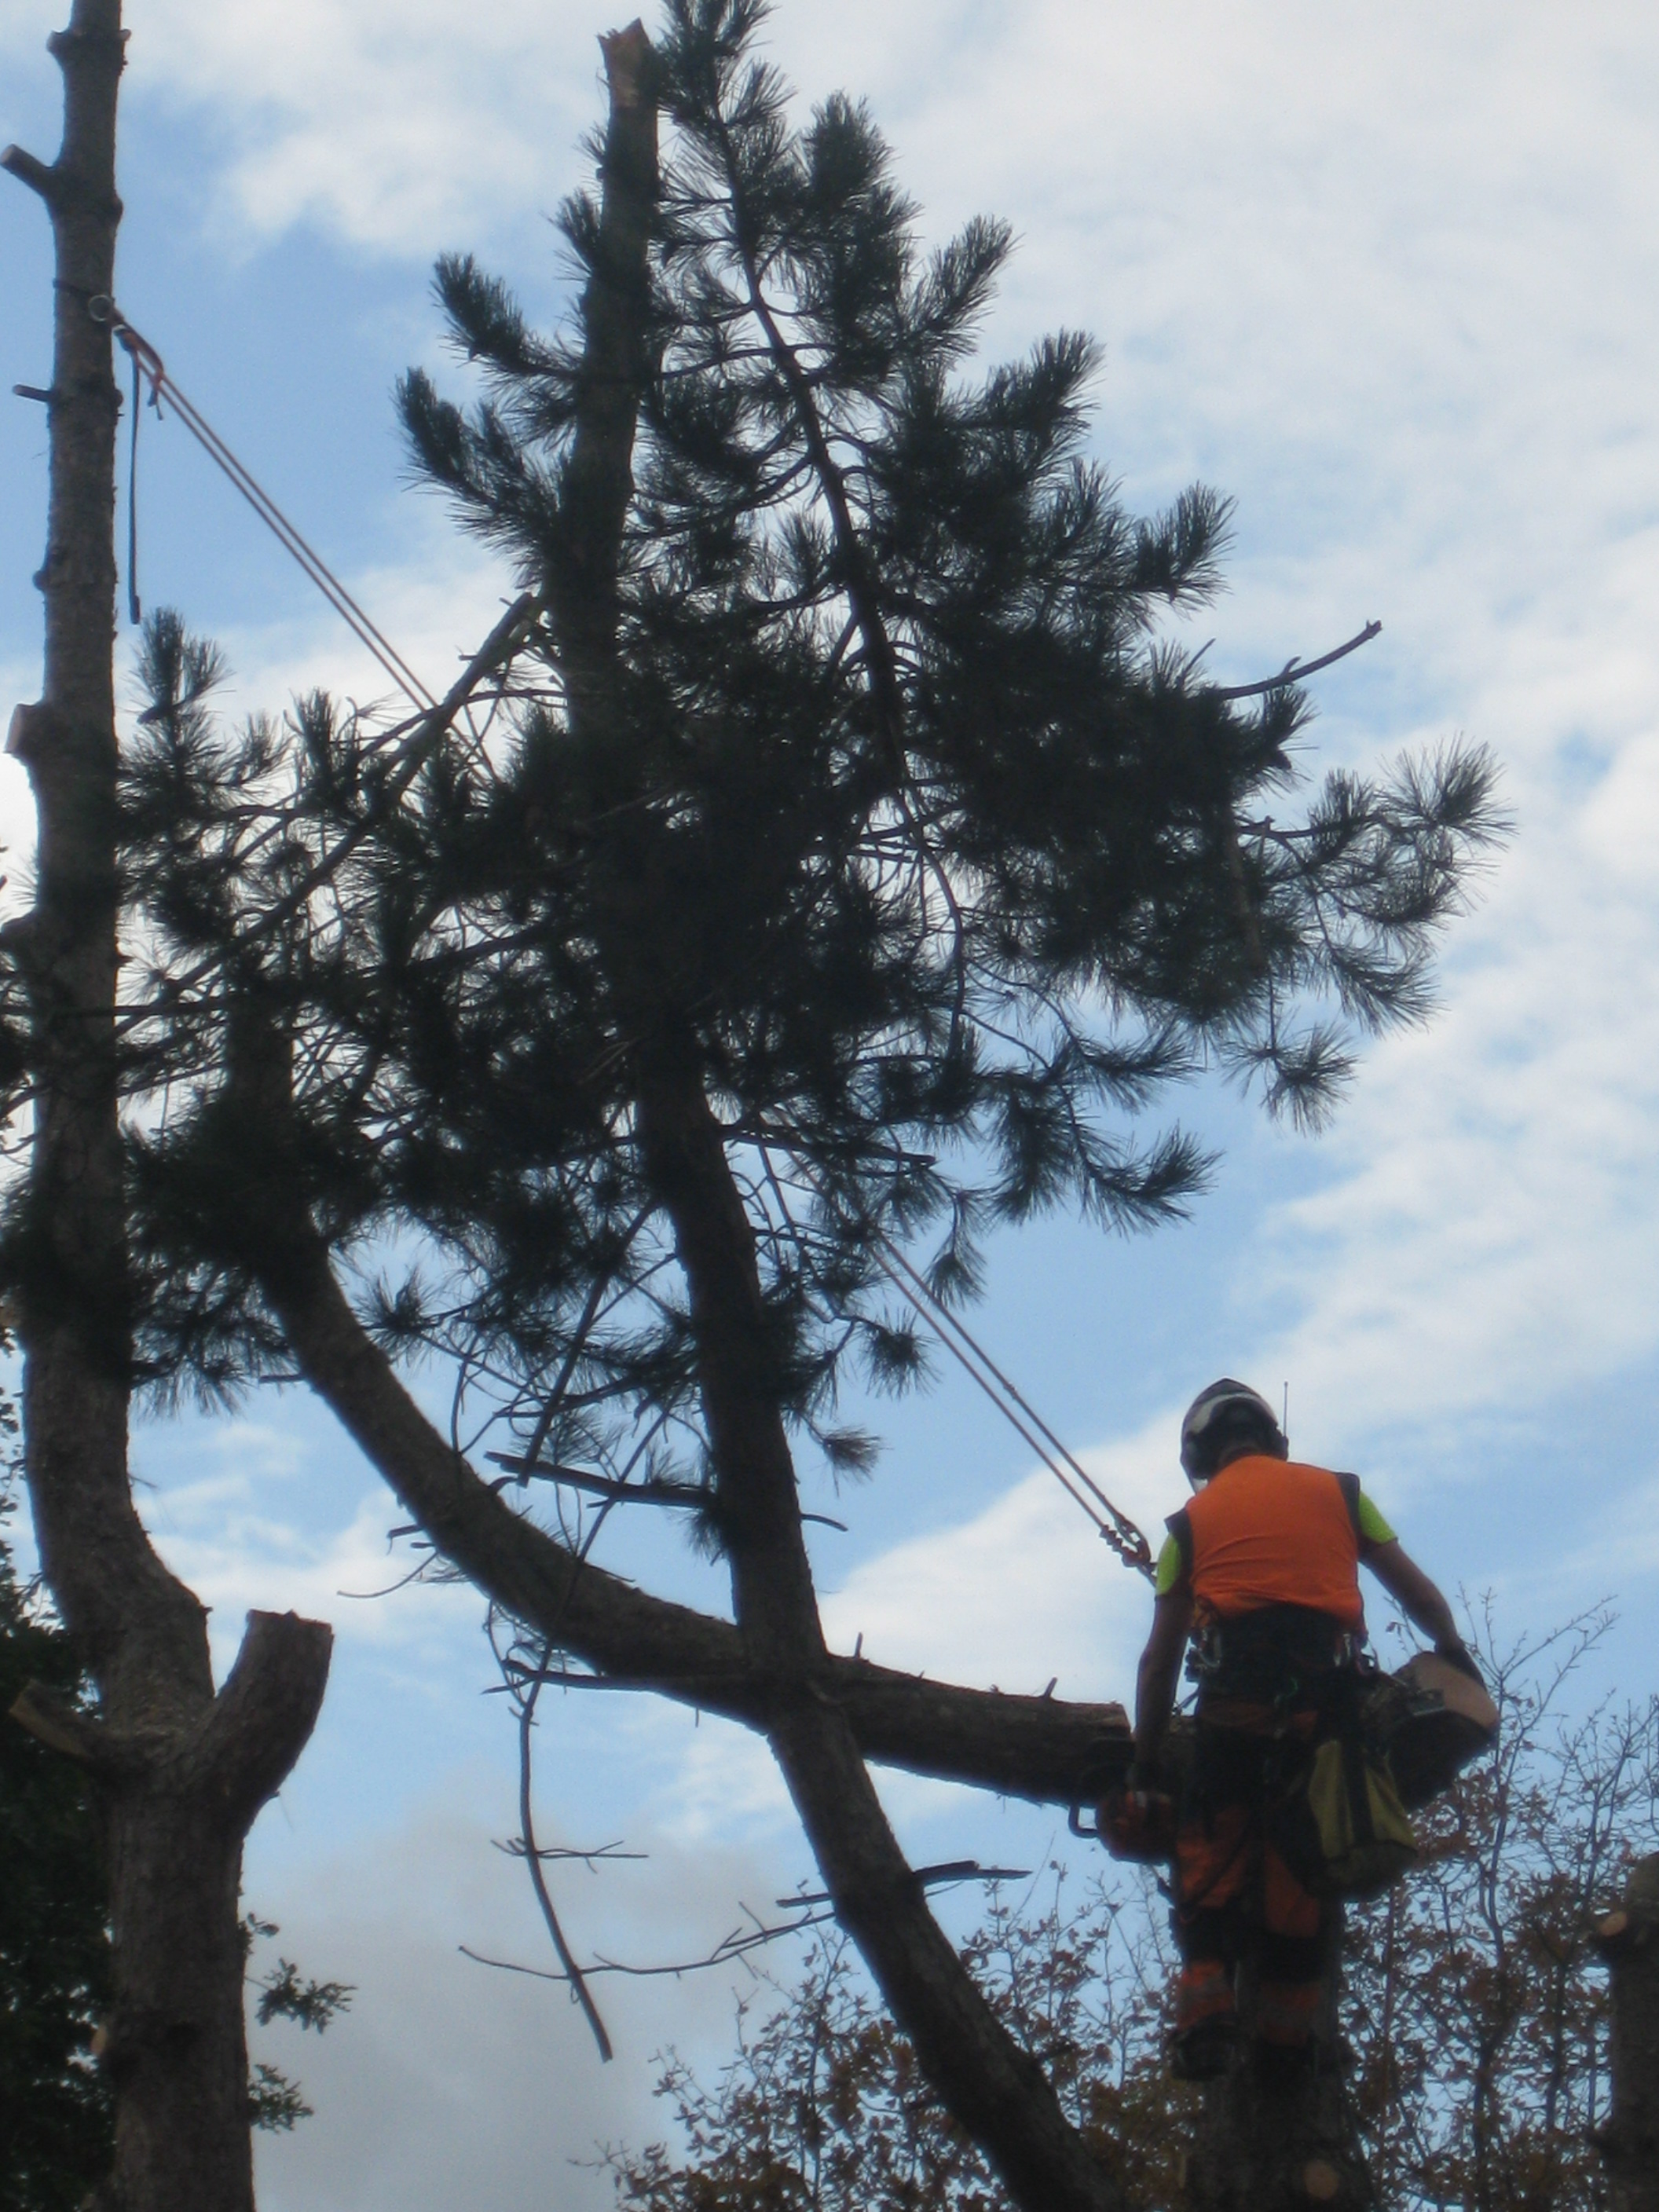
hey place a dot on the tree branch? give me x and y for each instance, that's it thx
(1040, 1748)
(1294, 671)
(261, 1719)
(40, 176)
(53, 1721)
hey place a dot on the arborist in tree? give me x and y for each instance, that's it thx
(1262, 1572)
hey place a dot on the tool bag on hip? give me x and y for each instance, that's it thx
(1339, 1823)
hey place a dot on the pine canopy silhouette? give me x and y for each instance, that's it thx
(890, 818)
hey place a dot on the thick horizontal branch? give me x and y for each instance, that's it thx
(1036, 1748)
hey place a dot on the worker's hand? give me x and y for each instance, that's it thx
(1138, 1823)
(1459, 1654)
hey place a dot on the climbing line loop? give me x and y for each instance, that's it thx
(148, 363)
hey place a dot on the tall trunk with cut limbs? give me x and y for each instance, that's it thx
(998, 2091)
(181, 1773)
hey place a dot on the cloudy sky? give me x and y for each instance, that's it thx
(1388, 275)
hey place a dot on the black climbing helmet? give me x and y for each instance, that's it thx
(1220, 1418)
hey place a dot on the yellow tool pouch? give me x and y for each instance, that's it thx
(1339, 1823)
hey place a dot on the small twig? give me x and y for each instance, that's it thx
(685, 1679)
(942, 1876)
(688, 1497)
(1294, 671)
(423, 1573)
(533, 1858)
(607, 1854)
(741, 1940)
(729, 1947)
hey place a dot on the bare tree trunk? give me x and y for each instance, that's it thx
(1628, 1940)
(998, 2091)
(181, 1773)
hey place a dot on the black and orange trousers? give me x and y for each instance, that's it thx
(1236, 1896)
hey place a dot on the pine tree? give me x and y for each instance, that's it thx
(825, 851)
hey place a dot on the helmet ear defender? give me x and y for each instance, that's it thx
(1220, 1419)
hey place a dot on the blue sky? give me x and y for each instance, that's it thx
(1388, 275)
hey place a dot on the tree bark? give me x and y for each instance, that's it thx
(1628, 1940)
(1044, 1749)
(996, 2089)
(1280, 2143)
(181, 1773)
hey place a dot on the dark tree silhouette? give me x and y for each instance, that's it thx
(823, 855)
(57, 2127)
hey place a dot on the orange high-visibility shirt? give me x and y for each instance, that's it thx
(1272, 1532)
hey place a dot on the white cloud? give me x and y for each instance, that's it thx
(436, 606)
(1492, 1219)
(401, 126)
(727, 1784)
(244, 1536)
(1019, 1593)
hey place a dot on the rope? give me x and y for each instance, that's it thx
(1111, 1523)
(1115, 1526)
(147, 360)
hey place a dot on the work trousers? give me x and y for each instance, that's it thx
(1235, 1895)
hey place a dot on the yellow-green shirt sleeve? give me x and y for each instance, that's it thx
(1168, 1568)
(1373, 1526)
